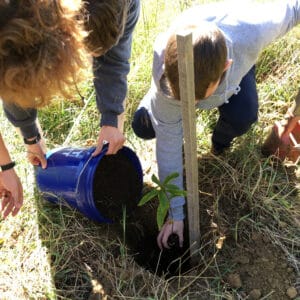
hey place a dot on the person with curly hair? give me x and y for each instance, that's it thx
(227, 40)
(41, 54)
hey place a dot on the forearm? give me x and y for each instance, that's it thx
(169, 160)
(4, 154)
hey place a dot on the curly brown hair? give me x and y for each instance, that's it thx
(105, 22)
(41, 50)
(210, 53)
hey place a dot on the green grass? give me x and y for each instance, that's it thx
(53, 252)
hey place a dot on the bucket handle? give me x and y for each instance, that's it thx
(103, 151)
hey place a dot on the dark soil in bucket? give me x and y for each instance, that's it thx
(116, 187)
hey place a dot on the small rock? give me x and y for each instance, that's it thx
(234, 280)
(242, 259)
(283, 224)
(255, 294)
(291, 292)
(255, 236)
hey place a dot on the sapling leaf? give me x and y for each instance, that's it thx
(164, 191)
(155, 180)
(176, 193)
(147, 197)
(162, 209)
(162, 197)
(171, 186)
(169, 178)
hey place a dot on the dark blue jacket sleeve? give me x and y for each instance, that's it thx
(23, 118)
(111, 70)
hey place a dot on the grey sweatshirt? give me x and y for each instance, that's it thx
(110, 72)
(248, 28)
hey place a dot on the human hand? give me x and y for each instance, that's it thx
(36, 154)
(113, 136)
(291, 119)
(288, 127)
(168, 228)
(11, 193)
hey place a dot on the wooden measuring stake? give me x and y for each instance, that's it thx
(187, 96)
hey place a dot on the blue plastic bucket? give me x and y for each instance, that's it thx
(69, 178)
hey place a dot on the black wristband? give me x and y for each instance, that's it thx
(7, 166)
(34, 141)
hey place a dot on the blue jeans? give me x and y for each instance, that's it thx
(237, 116)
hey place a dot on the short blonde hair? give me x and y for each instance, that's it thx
(41, 50)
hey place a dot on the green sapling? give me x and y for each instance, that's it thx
(164, 191)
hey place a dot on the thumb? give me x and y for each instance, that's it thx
(97, 151)
(43, 162)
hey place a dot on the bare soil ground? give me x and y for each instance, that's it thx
(250, 263)
(249, 247)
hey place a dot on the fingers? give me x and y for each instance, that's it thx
(7, 204)
(43, 162)
(10, 206)
(36, 155)
(37, 159)
(162, 238)
(292, 123)
(159, 239)
(169, 228)
(8, 209)
(11, 202)
(181, 239)
(15, 211)
(5, 197)
(113, 137)
(165, 241)
(97, 150)
(113, 146)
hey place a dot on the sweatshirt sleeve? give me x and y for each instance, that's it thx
(167, 123)
(254, 30)
(284, 15)
(165, 116)
(169, 160)
(24, 119)
(111, 70)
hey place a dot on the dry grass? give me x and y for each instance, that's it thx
(52, 252)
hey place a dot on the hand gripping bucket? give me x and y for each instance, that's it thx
(75, 178)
